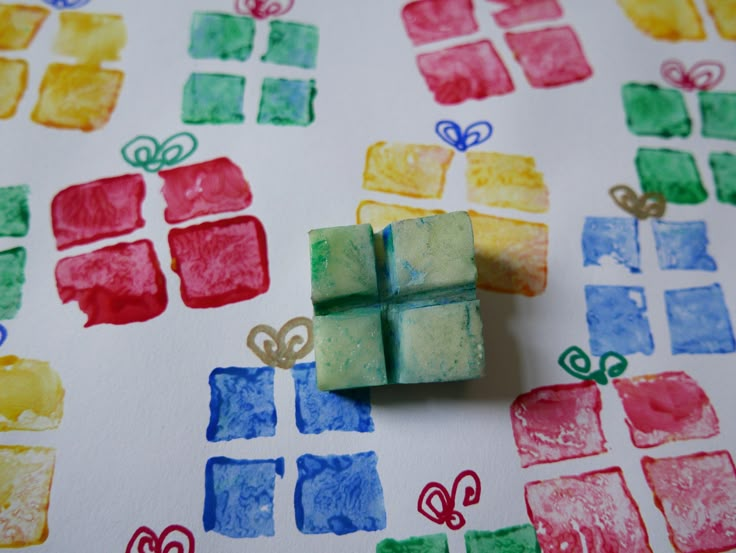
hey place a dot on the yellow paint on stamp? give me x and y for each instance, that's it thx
(13, 82)
(25, 485)
(413, 170)
(505, 180)
(665, 19)
(77, 96)
(91, 37)
(19, 25)
(723, 13)
(511, 255)
(31, 395)
(380, 215)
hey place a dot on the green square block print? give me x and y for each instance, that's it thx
(672, 173)
(12, 277)
(292, 44)
(221, 35)
(654, 111)
(718, 110)
(287, 102)
(516, 539)
(434, 543)
(213, 98)
(723, 165)
(14, 213)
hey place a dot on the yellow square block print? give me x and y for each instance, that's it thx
(505, 180)
(380, 215)
(25, 485)
(665, 19)
(511, 255)
(723, 13)
(19, 24)
(13, 81)
(411, 170)
(31, 395)
(91, 37)
(77, 96)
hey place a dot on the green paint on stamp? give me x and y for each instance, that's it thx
(723, 165)
(14, 214)
(654, 111)
(213, 98)
(672, 173)
(287, 102)
(221, 35)
(12, 265)
(515, 539)
(434, 543)
(718, 110)
(292, 44)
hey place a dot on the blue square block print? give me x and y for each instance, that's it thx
(614, 238)
(682, 245)
(318, 411)
(339, 494)
(699, 321)
(238, 496)
(617, 320)
(241, 404)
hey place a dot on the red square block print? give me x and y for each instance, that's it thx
(117, 285)
(470, 71)
(697, 495)
(559, 422)
(591, 512)
(432, 20)
(214, 186)
(519, 12)
(99, 209)
(220, 262)
(666, 407)
(550, 57)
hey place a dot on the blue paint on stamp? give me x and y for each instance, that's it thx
(339, 494)
(318, 411)
(241, 404)
(699, 320)
(683, 245)
(238, 500)
(611, 238)
(617, 320)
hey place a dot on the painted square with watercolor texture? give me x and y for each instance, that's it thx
(683, 245)
(699, 320)
(12, 277)
(14, 212)
(13, 82)
(339, 494)
(90, 37)
(568, 511)
(25, 482)
(471, 71)
(517, 13)
(723, 165)
(207, 188)
(609, 240)
(672, 173)
(433, 543)
(293, 44)
(666, 407)
(697, 496)
(238, 501)
(559, 422)
(19, 24)
(380, 215)
(287, 102)
(118, 284)
(722, 12)
(515, 539)
(550, 57)
(31, 395)
(718, 110)
(671, 20)
(221, 36)
(80, 97)
(220, 262)
(241, 404)
(655, 111)
(433, 20)
(213, 98)
(617, 320)
(318, 411)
